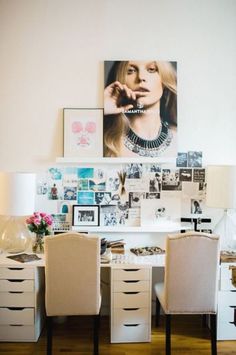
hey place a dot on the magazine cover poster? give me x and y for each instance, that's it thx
(140, 109)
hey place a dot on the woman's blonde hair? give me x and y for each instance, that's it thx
(116, 125)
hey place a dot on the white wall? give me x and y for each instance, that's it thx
(52, 54)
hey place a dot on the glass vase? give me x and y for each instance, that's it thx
(38, 243)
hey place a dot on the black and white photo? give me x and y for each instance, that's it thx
(170, 180)
(194, 159)
(185, 174)
(86, 215)
(196, 207)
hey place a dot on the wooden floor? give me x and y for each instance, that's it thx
(74, 337)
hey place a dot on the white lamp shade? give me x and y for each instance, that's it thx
(17, 194)
(221, 186)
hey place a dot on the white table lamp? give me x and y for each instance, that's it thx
(17, 200)
(221, 193)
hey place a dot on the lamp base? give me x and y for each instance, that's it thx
(15, 237)
(226, 229)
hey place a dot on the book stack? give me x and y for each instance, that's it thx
(117, 246)
(228, 256)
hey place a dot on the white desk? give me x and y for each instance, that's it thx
(25, 322)
(22, 297)
(118, 259)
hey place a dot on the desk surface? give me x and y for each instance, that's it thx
(117, 259)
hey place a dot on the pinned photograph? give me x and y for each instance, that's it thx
(138, 185)
(42, 187)
(196, 207)
(160, 211)
(122, 217)
(85, 173)
(185, 174)
(135, 199)
(97, 185)
(194, 159)
(109, 216)
(85, 198)
(134, 171)
(70, 193)
(198, 175)
(54, 192)
(55, 173)
(70, 176)
(170, 180)
(182, 160)
(154, 168)
(83, 184)
(99, 174)
(112, 183)
(64, 207)
(134, 217)
(103, 198)
(152, 195)
(155, 182)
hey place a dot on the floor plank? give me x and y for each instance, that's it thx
(73, 336)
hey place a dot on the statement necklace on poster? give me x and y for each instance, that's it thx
(149, 148)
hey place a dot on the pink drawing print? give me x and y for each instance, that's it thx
(84, 133)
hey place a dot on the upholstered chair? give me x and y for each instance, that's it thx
(190, 281)
(72, 279)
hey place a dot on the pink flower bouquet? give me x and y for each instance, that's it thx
(40, 223)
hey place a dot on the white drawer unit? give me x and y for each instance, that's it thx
(21, 303)
(131, 303)
(226, 319)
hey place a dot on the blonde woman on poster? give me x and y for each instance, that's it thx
(140, 109)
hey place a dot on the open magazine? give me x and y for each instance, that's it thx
(24, 258)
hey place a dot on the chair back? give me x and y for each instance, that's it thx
(191, 273)
(72, 274)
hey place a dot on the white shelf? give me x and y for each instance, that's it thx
(75, 160)
(172, 227)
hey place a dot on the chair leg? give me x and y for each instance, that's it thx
(213, 334)
(49, 321)
(158, 309)
(168, 334)
(96, 325)
(204, 320)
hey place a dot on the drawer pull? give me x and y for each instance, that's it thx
(130, 309)
(15, 280)
(131, 281)
(132, 325)
(16, 325)
(16, 308)
(131, 293)
(16, 292)
(131, 269)
(15, 268)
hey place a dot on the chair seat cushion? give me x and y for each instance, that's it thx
(159, 291)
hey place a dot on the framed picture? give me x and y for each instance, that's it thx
(85, 215)
(83, 130)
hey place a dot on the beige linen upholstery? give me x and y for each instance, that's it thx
(72, 266)
(191, 275)
(72, 275)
